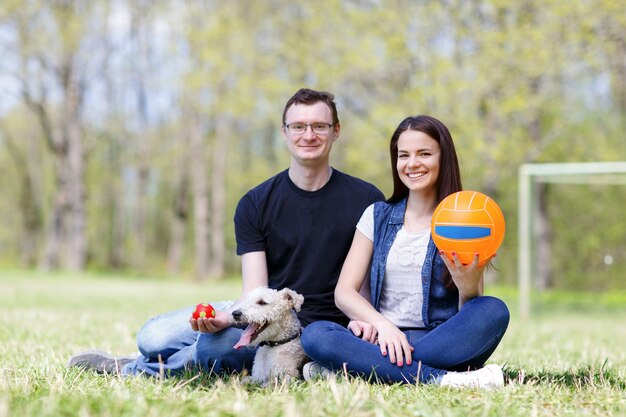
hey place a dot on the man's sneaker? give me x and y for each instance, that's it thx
(489, 377)
(100, 361)
(312, 370)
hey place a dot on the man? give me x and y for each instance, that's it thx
(293, 230)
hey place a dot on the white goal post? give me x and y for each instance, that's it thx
(567, 173)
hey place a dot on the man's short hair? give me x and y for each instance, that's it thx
(309, 97)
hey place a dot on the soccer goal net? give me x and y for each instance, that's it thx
(563, 173)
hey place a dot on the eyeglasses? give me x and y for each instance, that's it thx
(300, 128)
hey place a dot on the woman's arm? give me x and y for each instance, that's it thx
(467, 278)
(351, 279)
(356, 307)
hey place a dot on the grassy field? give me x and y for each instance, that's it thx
(569, 360)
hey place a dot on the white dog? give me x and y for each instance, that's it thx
(273, 326)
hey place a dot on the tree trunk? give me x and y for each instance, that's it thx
(543, 236)
(75, 158)
(218, 197)
(115, 204)
(67, 227)
(180, 214)
(141, 213)
(198, 173)
(542, 226)
(55, 235)
(139, 38)
(490, 184)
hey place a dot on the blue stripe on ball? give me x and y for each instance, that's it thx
(462, 232)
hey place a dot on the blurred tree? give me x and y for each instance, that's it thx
(140, 69)
(29, 202)
(181, 195)
(57, 66)
(178, 108)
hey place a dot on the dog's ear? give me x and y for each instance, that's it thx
(294, 299)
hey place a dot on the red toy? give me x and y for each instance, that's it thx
(203, 310)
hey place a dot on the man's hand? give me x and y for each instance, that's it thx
(364, 330)
(210, 324)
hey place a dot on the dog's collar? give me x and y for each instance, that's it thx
(280, 342)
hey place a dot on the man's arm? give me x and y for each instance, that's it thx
(253, 271)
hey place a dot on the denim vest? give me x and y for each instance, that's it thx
(440, 303)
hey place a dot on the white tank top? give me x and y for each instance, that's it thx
(401, 297)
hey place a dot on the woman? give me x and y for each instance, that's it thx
(412, 329)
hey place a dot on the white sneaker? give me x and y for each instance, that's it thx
(489, 377)
(312, 370)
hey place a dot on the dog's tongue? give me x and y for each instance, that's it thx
(246, 336)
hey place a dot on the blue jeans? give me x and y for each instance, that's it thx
(169, 346)
(463, 342)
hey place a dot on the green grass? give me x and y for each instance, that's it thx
(569, 360)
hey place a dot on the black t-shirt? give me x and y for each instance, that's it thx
(306, 235)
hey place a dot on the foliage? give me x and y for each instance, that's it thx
(567, 362)
(516, 82)
(598, 241)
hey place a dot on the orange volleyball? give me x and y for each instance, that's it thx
(468, 222)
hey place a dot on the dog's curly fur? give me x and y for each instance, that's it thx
(273, 325)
